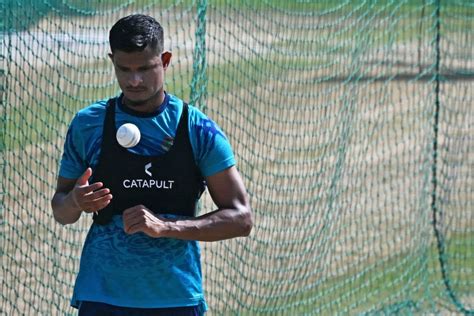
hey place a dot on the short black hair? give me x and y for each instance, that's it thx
(135, 32)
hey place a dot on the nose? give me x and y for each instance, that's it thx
(135, 79)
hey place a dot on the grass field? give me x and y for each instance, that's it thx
(332, 126)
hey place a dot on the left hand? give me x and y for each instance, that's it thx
(140, 219)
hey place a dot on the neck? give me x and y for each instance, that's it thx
(146, 106)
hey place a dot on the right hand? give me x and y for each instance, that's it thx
(89, 197)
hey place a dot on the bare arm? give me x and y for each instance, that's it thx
(233, 218)
(73, 196)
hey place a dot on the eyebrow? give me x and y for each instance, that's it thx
(144, 67)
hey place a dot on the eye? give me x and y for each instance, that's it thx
(123, 69)
(145, 68)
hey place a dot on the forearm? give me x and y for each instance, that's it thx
(233, 218)
(65, 211)
(218, 225)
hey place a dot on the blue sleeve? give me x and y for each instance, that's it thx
(73, 161)
(212, 150)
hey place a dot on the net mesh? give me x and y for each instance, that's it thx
(352, 123)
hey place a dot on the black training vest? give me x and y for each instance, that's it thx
(170, 183)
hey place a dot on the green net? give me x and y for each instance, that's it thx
(352, 123)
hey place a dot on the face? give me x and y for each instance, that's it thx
(140, 76)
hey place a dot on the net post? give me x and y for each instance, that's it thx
(199, 79)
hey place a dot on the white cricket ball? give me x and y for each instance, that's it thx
(128, 135)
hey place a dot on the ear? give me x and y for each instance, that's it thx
(166, 59)
(111, 56)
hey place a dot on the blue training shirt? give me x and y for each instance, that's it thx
(137, 270)
(212, 151)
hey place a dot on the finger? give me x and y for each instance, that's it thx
(82, 180)
(96, 194)
(92, 187)
(134, 228)
(98, 204)
(134, 209)
(134, 217)
(87, 189)
(101, 199)
(97, 207)
(127, 218)
(128, 211)
(138, 214)
(126, 224)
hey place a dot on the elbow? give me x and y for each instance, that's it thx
(57, 217)
(55, 213)
(58, 214)
(247, 221)
(61, 220)
(54, 207)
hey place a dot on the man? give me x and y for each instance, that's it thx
(141, 255)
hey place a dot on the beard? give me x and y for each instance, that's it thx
(140, 102)
(134, 103)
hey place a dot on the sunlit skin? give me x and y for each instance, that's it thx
(140, 76)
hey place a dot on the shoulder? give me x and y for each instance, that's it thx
(201, 128)
(196, 114)
(175, 106)
(173, 109)
(92, 112)
(87, 124)
(201, 124)
(89, 117)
